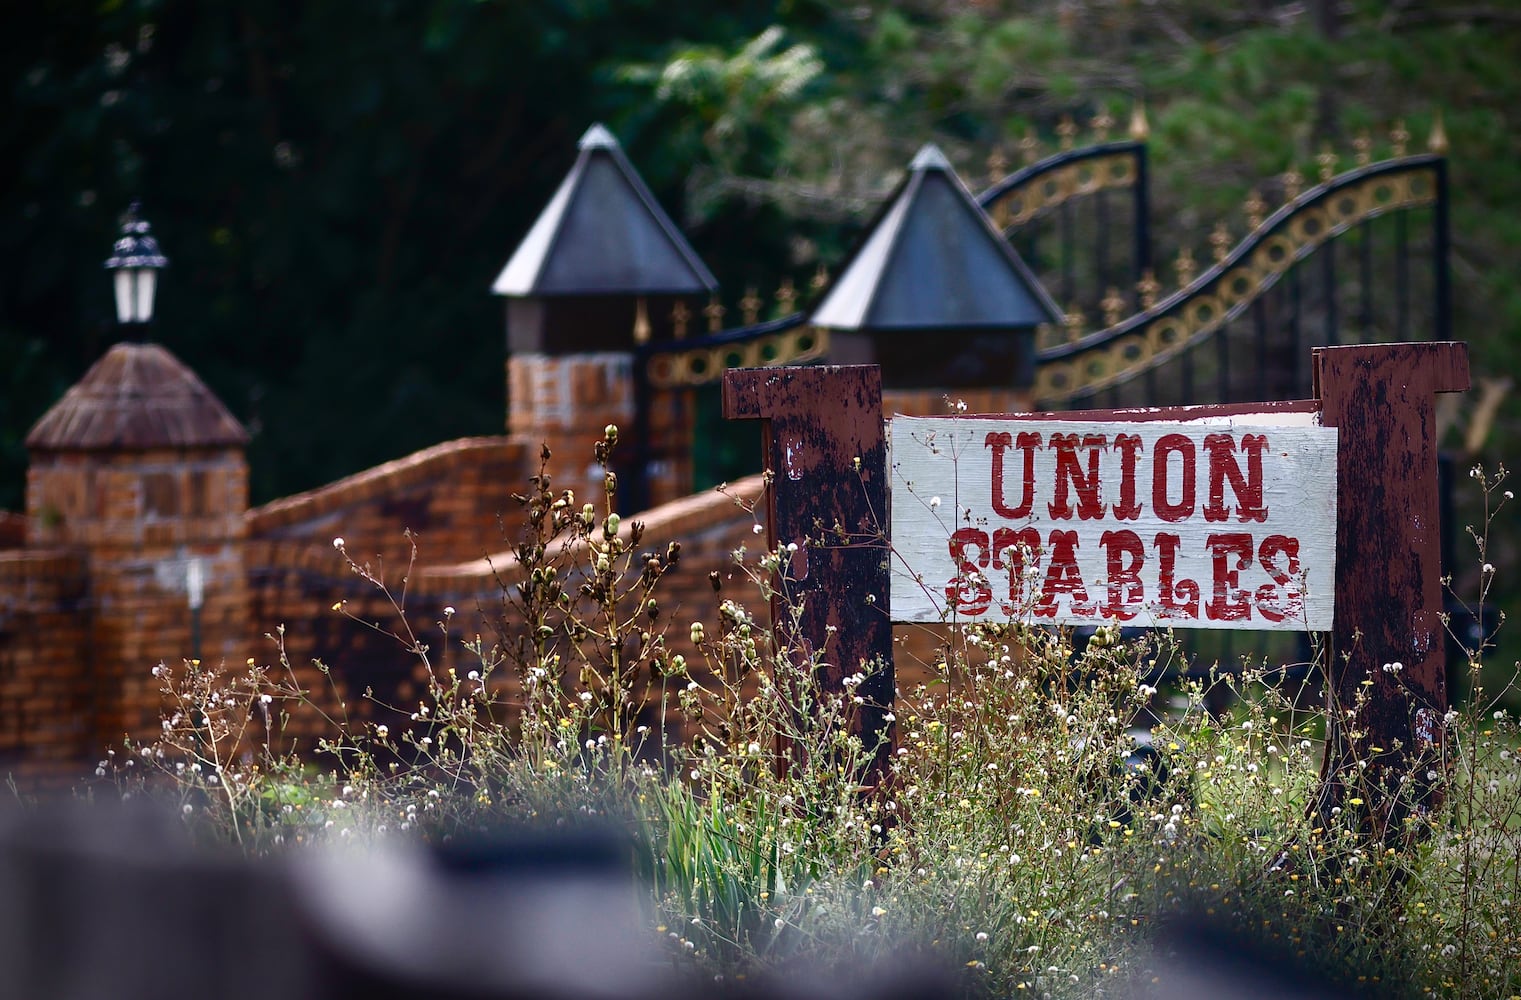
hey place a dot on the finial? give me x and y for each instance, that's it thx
(929, 157)
(1101, 124)
(1029, 146)
(1437, 143)
(786, 296)
(1112, 304)
(1255, 208)
(1073, 321)
(680, 317)
(715, 313)
(597, 137)
(998, 165)
(1185, 267)
(1362, 147)
(750, 306)
(1327, 161)
(1140, 128)
(1293, 180)
(641, 322)
(819, 280)
(1220, 242)
(1147, 288)
(1398, 137)
(1067, 130)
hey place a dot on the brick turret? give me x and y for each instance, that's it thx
(139, 471)
(602, 269)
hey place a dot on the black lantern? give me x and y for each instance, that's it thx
(136, 260)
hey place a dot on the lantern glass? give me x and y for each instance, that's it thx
(135, 287)
(147, 283)
(124, 295)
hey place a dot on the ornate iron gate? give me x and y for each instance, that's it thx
(1359, 257)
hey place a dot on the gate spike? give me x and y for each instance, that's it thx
(1073, 321)
(1101, 124)
(1112, 304)
(715, 313)
(786, 296)
(750, 306)
(1067, 130)
(1220, 242)
(998, 165)
(1140, 129)
(1399, 136)
(1292, 180)
(1327, 161)
(1029, 146)
(1185, 267)
(1437, 143)
(1255, 207)
(820, 279)
(1363, 145)
(998, 169)
(680, 317)
(1147, 288)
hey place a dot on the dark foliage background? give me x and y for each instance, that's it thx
(338, 183)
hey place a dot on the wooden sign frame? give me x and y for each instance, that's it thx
(826, 451)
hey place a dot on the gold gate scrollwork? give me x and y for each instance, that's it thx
(1051, 188)
(1122, 352)
(705, 365)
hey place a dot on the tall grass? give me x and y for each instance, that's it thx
(1047, 814)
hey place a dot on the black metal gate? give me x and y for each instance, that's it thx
(1361, 256)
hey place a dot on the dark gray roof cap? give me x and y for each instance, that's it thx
(603, 233)
(933, 258)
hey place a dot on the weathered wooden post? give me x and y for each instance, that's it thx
(1382, 400)
(827, 457)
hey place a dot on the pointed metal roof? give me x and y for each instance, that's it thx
(603, 233)
(934, 259)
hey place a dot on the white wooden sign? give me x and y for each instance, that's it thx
(1221, 522)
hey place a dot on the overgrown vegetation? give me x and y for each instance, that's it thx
(1047, 811)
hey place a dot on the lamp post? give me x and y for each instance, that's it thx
(136, 261)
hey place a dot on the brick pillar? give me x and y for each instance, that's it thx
(565, 401)
(137, 519)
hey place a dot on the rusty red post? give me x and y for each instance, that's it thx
(827, 457)
(1382, 399)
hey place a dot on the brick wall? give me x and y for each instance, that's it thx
(454, 498)
(45, 664)
(710, 526)
(98, 596)
(360, 658)
(12, 530)
(449, 496)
